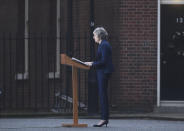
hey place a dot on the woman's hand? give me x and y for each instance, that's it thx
(88, 63)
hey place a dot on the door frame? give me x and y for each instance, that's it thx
(160, 102)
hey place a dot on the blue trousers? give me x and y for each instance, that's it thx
(102, 79)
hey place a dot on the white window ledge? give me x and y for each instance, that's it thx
(25, 76)
(172, 2)
(22, 76)
(53, 75)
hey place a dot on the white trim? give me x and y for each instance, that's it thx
(53, 75)
(58, 18)
(172, 103)
(161, 102)
(23, 76)
(172, 1)
(158, 54)
(26, 34)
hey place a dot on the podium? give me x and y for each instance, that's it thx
(66, 60)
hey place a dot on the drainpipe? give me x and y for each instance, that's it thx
(92, 82)
(92, 25)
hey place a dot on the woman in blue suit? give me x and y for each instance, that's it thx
(104, 68)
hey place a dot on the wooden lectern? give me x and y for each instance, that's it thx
(68, 61)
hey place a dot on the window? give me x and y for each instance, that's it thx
(30, 21)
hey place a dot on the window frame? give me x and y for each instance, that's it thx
(51, 75)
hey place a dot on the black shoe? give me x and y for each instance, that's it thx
(103, 123)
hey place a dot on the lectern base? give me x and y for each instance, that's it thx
(75, 125)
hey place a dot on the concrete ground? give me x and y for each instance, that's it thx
(160, 120)
(54, 124)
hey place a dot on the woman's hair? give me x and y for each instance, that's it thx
(101, 33)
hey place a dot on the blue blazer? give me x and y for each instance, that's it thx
(104, 58)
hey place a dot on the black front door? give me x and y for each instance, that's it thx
(172, 52)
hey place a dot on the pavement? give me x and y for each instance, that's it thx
(154, 121)
(55, 124)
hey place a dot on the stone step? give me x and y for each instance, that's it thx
(168, 109)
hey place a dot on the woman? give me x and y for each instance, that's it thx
(104, 68)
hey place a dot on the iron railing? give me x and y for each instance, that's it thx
(31, 76)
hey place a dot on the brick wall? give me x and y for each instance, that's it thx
(138, 54)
